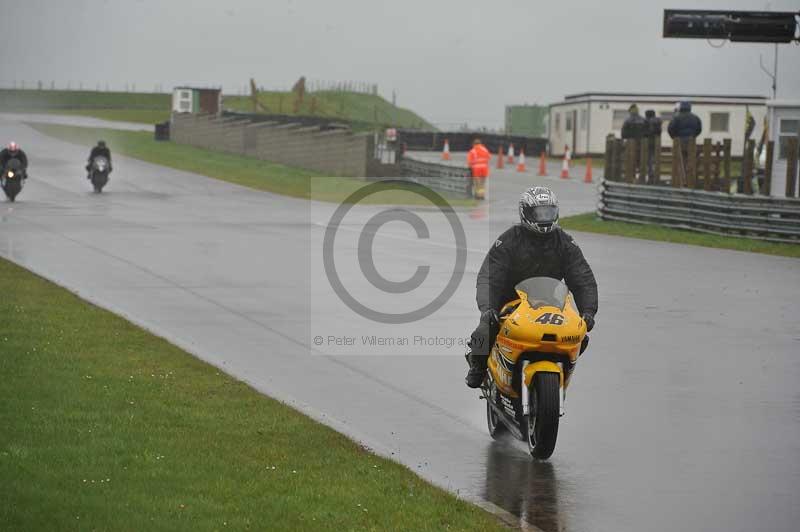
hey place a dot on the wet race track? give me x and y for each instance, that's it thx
(684, 413)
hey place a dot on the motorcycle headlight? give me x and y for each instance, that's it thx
(10, 173)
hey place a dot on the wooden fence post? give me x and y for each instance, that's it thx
(747, 166)
(706, 164)
(657, 162)
(644, 160)
(608, 169)
(791, 165)
(768, 168)
(691, 156)
(631, 148)
(726, 164)
(677, 164)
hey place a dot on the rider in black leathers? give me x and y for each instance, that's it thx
(101, 150)
(13, 151)
(536, 247)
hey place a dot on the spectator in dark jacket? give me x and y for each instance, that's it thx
(685, 124)
(654, 125)
(634, 126)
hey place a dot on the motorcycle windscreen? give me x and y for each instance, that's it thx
(544, 292)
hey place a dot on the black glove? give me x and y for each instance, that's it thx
(589, 319)
(490, 316)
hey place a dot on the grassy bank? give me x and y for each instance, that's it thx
(363, 109)
(106, 427)
(245, 171)
(591, 223)
(147, 108)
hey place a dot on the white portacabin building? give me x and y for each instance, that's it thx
(783, 119)
(582, 121)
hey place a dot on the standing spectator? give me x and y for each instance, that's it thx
(654, 125)
(685, 126)
(635, 128)
(478, 161)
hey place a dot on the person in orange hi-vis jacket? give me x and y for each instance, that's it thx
(478, 161)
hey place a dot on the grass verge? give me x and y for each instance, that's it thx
(108, 427)
(245, 171)
(139, 116)
(592, 224)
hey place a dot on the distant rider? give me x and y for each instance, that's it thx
(101, 150)
(13, 151)
(537, 247)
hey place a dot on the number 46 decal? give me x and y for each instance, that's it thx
(551, 318)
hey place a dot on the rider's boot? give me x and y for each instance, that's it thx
(477, 370)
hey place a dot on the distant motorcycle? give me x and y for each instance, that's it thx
(531, 364)
(12, 179)
(98, 173)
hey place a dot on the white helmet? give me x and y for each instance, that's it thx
(538, 210)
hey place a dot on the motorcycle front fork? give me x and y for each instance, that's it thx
(525, 395)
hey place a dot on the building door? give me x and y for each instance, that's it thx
(574, 144)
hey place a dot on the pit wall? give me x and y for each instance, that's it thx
(331, 152)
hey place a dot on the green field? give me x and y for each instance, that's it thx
(364, 111)
(592, 224)
(245, 171)
(107, 427)
(146, 108)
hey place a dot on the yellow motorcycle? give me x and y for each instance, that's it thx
(531, 363)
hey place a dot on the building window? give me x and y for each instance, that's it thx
(619, 118)
(583, 119)
(789, 128)
(719, 122)
(558, 122)
(568, 122)
(185, 106)
(186, 95)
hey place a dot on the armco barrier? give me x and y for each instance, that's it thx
(462, 141)
(451, 179)
(760, 217)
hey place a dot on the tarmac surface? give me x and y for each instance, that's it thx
(684, 413)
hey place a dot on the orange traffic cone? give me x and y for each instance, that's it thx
(510, 154)
(521, 166)
(565, 165)
(542, 165)
(588, 177)
(446, 151)
(500, 157)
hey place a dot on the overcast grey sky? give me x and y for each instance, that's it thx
(451, 61)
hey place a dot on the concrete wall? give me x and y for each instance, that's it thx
(332, 152)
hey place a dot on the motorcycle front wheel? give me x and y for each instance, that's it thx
(493, 422)
(541, 426)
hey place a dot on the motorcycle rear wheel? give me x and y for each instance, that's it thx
(541, 426)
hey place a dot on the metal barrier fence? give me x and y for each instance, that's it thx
(759, 217)
(705, 165)
(462, 141)
(452, 179)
